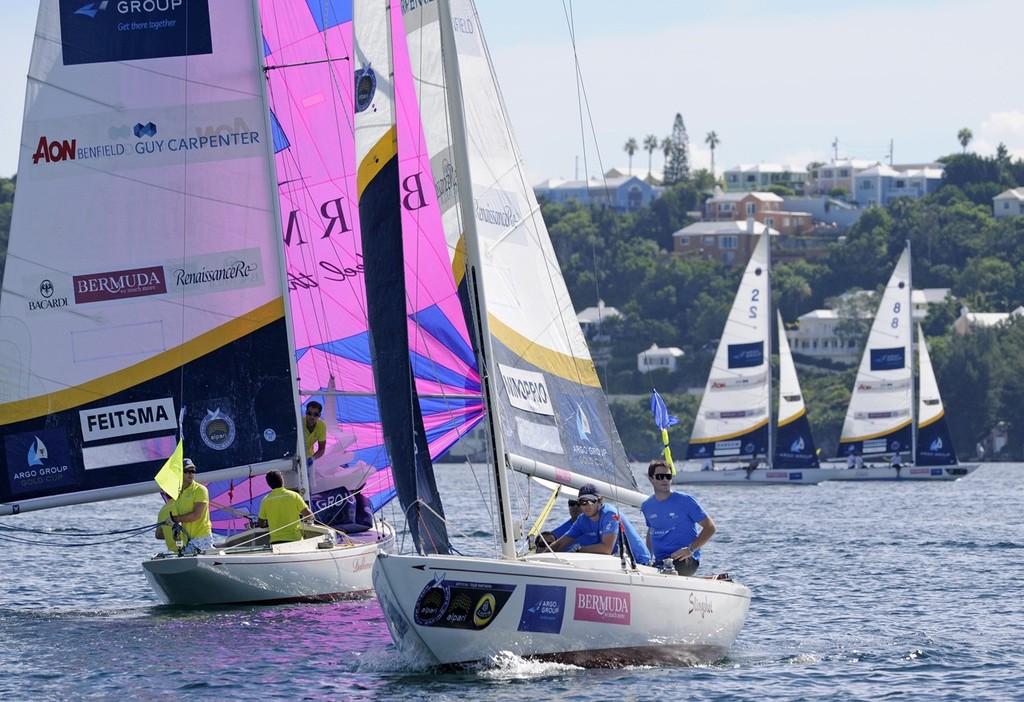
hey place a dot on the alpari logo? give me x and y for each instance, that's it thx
(144, 130)
(90, 9)
(37, 452)
(54, 151)
(366, 87)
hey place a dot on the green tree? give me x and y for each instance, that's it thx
(677, 167)
(650, 144)
(712, 141)
(964, 136)
(630, 148)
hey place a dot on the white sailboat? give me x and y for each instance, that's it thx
(547, 415)
(734, 426)
(193, 151)
(880, 421)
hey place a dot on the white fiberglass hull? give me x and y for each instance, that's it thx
(251, 573)
(906, 472)
(567, 607)
(760, 476)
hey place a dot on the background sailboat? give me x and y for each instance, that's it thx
(880, 421)
(546, 411)
(734, 424)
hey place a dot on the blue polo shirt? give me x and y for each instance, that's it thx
(673, 523)
(587, 532)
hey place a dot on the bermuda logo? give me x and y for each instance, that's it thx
(144, 130)
(217, 430)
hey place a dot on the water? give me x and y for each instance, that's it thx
(861, 591)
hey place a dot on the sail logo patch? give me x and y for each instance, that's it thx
(40, 462)
(119, 285)
(366, 88)
(543, 609)
(231, 270)
(127, 419)
(526, 390)
(50, 297)
(888, 359)
(127, 30)
(217, 429)
(746, 355)
(455, 604)
(605, 606)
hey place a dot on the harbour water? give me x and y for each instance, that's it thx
(860, 591)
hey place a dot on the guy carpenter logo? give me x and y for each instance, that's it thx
(119, 285)
(602, 606)
(144, 130)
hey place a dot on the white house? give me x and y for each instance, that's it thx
(1009, 203)
(592, 318)
(657, 358)
(969, 321)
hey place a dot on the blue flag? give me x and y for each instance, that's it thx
(661, 416)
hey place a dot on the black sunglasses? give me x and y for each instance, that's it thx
(662, 476)
(574, 503)
(587, 501)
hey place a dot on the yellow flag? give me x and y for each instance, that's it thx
(170, 477)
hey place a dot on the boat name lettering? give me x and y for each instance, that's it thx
(132, 6)
(331, 210)
(700, 605)
(410, 5)
(130, 418)
(119, 284)
(446, 184)
(235, 269)
(505, 217)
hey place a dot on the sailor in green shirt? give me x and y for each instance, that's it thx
(281, 509)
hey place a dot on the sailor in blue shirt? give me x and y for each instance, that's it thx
(672, 519)
(599, 524)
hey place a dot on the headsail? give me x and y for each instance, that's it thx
(310, 72)
(734, 413)
(794, 444)
(934, 443)
(879, 418)
(165, 298)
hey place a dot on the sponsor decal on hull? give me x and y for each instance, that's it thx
(543, 609)
(457, 604)
(605, 606)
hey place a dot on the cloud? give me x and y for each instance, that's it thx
(1000, 128)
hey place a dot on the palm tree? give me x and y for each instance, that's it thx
(964, 136)
(650, 143)
(631, 147)
(666, 147)
(712, 141)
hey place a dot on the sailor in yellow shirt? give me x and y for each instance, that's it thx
(192, 511)
(165, 532)
(281, 509)
(314, 430)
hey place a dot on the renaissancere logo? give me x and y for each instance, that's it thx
(127, 419)
(526, 390)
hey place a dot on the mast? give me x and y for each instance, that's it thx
(768, 343)
(299, 464)
(910, 316)
(474, 272)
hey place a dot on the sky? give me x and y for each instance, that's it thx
(779, 81)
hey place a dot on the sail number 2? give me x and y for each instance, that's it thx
(755, 297)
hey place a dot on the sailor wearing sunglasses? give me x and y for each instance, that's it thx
(599, 523)
(672, 519)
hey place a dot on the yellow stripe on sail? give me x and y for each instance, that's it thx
(726, 437)
(146, 370)
(879, 435)
(923, 424)
(578, 370)
(379, 155)
(784, 422)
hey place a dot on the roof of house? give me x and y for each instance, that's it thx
(725, 228)
(1011, 194)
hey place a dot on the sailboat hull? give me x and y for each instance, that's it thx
(739, 476)
(252, 572)
(906, 472)
(574, 608)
